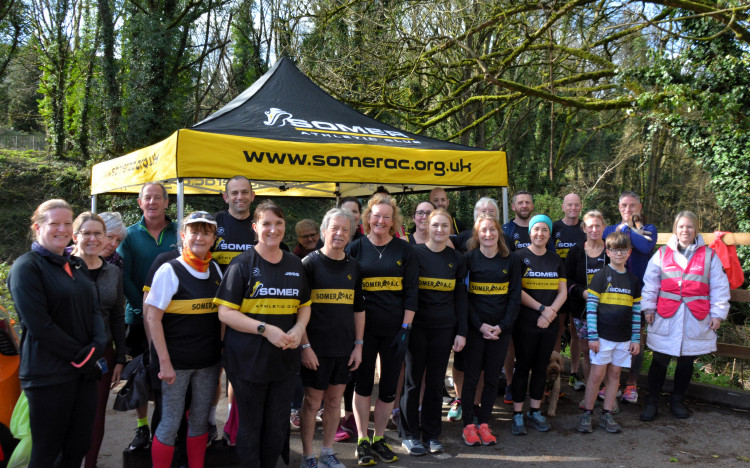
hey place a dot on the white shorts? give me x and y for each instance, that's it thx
(612, 352)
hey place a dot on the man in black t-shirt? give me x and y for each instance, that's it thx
(517, 229)
(235, 226)
(439, 199)
(566, 233)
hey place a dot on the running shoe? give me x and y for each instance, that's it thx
(607, 421)
(364, 453)
(455, 413)
(485, 434)
(142, 439)
(309, 463)
(341, 434)
(508, 397)
(537, 421)
(601, 393)
(576, 382)
(471, 436)
(517, 425)
(213, 432)
(330, 461)
(630, 395)
(382, 450)
(415, 447)
(585, 424)
(349, 424)
(435, 446)
(228, 440)
(294, 419)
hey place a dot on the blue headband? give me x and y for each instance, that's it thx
(540, 218)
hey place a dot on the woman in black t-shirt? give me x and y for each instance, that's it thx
(390, 284)
(535, 333)
(439, 326)
(494, 277)
(582, 262)
(186, 335)
(264, 300)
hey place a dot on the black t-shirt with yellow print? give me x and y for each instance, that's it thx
(442, 291)
(336, 294)
(494, 289)
(390, 283)
(271, 293)
(542, 275)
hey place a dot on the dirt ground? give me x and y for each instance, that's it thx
(712, 436)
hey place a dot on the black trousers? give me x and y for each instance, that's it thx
(61, 417)
(482, 355)
(390, 368)
(428, 354)
(263, 410)
(532, 355)
(657, 373)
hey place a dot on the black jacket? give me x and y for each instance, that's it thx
(59, 314)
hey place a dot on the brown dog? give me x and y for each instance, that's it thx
(554, 371)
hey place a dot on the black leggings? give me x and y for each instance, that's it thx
(390, 368)
(482, 355)
(61, 417)
(532, 355)
(657, 373)
(429, 351)
(263, 410)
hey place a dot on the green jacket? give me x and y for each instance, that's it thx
(138, 251)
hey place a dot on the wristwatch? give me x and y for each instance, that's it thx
(541, 308)
(262, 328)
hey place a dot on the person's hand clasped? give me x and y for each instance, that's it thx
(278, 338)
(594, 345)
(635, 348)
(715, 323)
(649, 316)
(490, 332)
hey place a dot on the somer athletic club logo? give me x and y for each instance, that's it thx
(274, 115)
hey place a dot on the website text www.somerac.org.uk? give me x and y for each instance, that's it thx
(440, 168)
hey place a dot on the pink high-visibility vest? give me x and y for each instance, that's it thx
(689, 285)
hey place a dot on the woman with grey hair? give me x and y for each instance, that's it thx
(116, 232)
(484, 206)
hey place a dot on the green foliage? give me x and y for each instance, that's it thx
(26, 180)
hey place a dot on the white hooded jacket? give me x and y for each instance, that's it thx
(683, 334)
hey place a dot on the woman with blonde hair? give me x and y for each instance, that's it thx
(390, 284)
(63, 337)
(685, 297)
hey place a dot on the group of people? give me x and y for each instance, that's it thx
(226, 292)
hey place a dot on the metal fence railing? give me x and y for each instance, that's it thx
(23, 142)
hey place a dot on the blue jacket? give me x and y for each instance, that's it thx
(642, 248)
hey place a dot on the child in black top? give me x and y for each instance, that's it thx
(614, 328)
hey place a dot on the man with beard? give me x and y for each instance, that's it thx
(517, 229)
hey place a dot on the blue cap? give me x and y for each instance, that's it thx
(540, 218)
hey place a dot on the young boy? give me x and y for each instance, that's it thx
(613, 311)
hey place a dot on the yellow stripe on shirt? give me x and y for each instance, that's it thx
(437, 284)
(382, 283)
(333, 296)
(488, 288)
(541, 283)
(192, 306)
